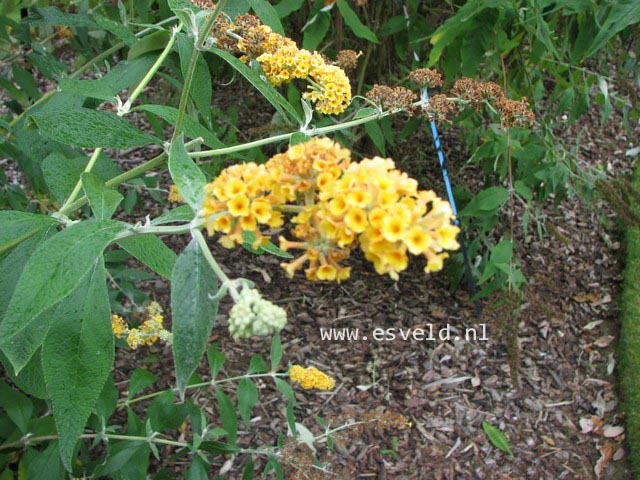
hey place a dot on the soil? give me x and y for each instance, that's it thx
(545, 376)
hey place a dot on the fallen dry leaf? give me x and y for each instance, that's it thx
(606, 452)
(604, 341)
(611, 431)
(592, 297)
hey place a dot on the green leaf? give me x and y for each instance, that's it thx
(149, 43)
(83, 127)
(151, 251)
(216, 360)
(33, 463)
(376, 135)
(315, 30)
(249, 237)
(247, 399)
(17, 405)
(47, 16)
(118, 29)
(181, 214)
(263, 86)
(77, 357)
(502, 253)
(287, 7)
(62, 173)
(123, 455)
(31, 378)
(25, 81)
(352, 21)
(257, 365)
(498, 438)
(201, 90)
(186, 175)
(488, 200)
(286, 390)
(194, 311)
(19, 226)
(248, 472)
(123, 75)
(26, 343)
(269, 16)
(192, 128)
(164, 414)
(140, 379)
(103, 200)
(198, 470)
(54, 271)
(228, 415)
(276, 351)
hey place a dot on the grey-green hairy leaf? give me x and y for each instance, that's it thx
(62, 173)
(54, 271)
(18, 226)
(123, 75)
(264, 87)
(77, 357)
(151, 251)
(194, 311)
(181, 214)
(103, 200)
(192, 128)
(83, 127)
(186, 175)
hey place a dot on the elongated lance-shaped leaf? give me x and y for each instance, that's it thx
(18, 226)
(54, 271)
(186, 175)
(151, 251)
(498, 438)
(77, 356)
(103, 200)
(194, 310)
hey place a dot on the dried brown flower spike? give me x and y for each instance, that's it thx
(392, 98)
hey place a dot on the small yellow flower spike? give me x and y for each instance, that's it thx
(174, 195)
(311, 377)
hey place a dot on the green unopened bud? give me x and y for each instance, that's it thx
(252, 316)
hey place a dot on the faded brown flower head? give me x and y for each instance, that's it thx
(426, 77)
(347, 59)
(515, 112)
(392, 98)
(204, 4)
(439, 108)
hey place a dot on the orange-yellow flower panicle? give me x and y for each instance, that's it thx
(311, 377)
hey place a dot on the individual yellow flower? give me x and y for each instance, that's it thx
(356, 220)
(393, 228)
(417, 240)
(261, 210)
(238, 206)
(311, 377)
(327, 272)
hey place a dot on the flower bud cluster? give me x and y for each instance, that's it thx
(252, 316)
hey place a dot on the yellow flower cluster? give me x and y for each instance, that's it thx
(282, 62)
(148, 333)
(311, 377)
(339, 204)
(381, 207)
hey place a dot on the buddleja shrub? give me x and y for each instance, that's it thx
(59, 328)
